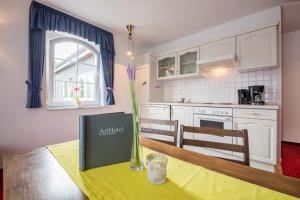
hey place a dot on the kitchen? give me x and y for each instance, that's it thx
(212, 83)
(230, 81)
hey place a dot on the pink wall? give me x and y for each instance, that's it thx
(23, 129)
(291, 87)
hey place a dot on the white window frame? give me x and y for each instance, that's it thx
(50, 75)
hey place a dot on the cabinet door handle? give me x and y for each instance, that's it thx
(248, 123)
(255, 114)
(236, 124)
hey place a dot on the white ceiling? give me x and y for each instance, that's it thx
(159, 21)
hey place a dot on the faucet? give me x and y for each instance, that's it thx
(181, 100)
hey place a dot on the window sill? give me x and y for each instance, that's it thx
(72, 107)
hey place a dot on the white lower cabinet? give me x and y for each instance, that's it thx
(160, 112)
(155, 111)
(262, 134)
(184, 115)
(260, 123)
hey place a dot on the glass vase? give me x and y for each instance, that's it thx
(136, 160)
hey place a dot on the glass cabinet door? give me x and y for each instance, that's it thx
(167, 66)
(187, 62)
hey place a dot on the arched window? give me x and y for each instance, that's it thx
(73, 72)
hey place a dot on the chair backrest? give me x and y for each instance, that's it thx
(171, 129)
(244, 148)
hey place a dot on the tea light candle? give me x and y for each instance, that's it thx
(156, 168)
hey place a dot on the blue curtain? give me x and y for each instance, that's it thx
(36, 66)
(108, 74)
(43, 18)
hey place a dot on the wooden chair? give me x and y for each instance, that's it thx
(171, 129)
(217, 145)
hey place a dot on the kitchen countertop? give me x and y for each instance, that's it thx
(219, 105)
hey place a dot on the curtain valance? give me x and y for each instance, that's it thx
(45, 18)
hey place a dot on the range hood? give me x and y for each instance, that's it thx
(225, 60)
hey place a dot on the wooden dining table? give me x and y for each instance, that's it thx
(38, 175)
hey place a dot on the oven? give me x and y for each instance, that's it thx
(210, 121)
(213, 118)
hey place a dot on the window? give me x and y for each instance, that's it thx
(72, 71)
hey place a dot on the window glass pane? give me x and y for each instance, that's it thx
(188, 63)
(66, 71)
(63, 91)
(86, 56)
(166, 67)
(59, 64)
(75, 65)
(87, 91)
(87, 73)
(65, 51)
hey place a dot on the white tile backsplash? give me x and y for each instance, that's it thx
(221, 85)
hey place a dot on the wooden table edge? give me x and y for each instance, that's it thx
(47, 156)
(277, 182)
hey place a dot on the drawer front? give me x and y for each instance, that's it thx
(255, 114)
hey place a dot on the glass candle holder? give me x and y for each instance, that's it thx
(156, 168)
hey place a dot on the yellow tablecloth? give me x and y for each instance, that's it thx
(185, 181)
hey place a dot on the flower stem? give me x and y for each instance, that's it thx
(136, 125)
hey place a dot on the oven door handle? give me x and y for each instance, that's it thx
(218, 118)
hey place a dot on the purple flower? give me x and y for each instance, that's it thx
(131, 72)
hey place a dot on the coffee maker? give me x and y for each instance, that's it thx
(257, 95)
(243, 96)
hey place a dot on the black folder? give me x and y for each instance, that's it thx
(104, 139)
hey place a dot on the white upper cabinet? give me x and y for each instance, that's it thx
(167, 66)
(257, 49)
(187, 62)
(247, 51)
(218, 48)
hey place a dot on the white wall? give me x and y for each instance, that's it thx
(259, 19)
(222, 86)
(23, 129)
(291, 83)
